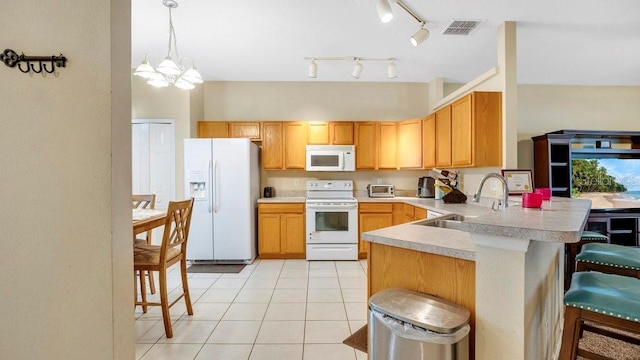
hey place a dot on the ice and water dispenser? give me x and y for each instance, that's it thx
(198, 184)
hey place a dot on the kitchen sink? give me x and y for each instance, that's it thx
(453, 221)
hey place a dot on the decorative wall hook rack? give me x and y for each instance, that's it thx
(33, 63)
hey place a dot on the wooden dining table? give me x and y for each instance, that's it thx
(147, 219)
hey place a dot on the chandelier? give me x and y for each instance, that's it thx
(170, 71)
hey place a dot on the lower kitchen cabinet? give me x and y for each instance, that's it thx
(281, 231)
(372, 216)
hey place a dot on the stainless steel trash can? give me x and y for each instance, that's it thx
(406, 325)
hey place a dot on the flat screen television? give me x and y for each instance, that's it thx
(610, 183)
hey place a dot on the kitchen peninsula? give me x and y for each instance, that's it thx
(505, 266)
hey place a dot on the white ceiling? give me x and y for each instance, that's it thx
(569, 42)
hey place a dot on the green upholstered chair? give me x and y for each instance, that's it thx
(610, 258)
(609, 300)
(572, 249)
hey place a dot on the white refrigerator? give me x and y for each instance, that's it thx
(223, 176)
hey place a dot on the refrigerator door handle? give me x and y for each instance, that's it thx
(210, 192)
(217, 188)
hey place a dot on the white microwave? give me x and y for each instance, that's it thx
(331, 158)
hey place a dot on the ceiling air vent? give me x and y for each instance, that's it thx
(461, 27)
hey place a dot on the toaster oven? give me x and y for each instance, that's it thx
(381, 191)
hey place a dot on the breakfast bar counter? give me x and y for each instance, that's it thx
(505, 266)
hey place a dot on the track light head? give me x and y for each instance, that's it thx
(392, 70)
(384, 11)
(313, 69)
(420, 36)
(357, 70)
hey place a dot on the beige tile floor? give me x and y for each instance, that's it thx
(272, 309)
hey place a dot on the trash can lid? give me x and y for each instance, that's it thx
(419, 309)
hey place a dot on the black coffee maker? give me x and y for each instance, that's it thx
(426, 187)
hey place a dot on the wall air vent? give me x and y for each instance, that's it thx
(461, 27)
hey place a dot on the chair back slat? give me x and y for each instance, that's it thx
(176, 228)
(143, 201)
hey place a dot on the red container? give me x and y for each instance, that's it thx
(545, 192)
(531, 200)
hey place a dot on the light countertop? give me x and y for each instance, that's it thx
(559, 220)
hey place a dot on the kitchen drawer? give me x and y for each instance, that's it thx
(376, 207)
(292, 208)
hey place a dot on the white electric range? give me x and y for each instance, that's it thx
(331, 220)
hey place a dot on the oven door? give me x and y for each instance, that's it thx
(332, 222)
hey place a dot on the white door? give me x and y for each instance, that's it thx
(153, 163)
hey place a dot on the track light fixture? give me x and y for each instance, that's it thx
(384, 13)
(420, 36)
(313, 69)
(384, 10)
(392, 71)
(357, 70)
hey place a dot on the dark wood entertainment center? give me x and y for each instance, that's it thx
(553, 155)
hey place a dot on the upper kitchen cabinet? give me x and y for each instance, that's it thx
(429, 142)
(443, 136)
(476, 130)
(213, 129)
(249, 130)
(295, 144)
(341, 133)
(318, 133)
(410, 144)
(272, 146)
(330, 133)
(366, 145)
(387, 149)
(376, 145)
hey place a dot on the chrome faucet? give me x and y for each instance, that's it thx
(505, 189)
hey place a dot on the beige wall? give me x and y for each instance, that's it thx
(314, 101)
(65, 155)
(546, 108)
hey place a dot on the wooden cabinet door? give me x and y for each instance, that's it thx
(293, 234)
(213, 129)
(443, 137)
(366, 148)
(249, 130)
(295, 144)
(410, 144)
(318, 133)
(462, 132)
(341, 133)
(272, 146)
(487, 129)
(429, 141)
(419, 213)
(269, 234)
(387, 148)
(370, 222)
(409, 215)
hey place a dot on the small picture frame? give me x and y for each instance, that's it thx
(519, 181)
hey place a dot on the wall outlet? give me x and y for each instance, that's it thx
(296, 182)
(493, 185)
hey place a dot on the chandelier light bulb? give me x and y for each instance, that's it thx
(170, 71)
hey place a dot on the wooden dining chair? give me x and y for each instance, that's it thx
(145, 201)
(159, 258)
